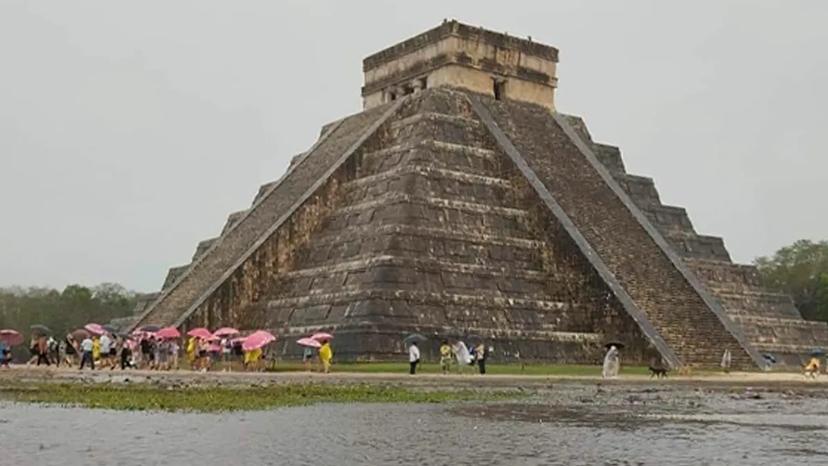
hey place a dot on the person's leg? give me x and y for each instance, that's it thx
(411, 367)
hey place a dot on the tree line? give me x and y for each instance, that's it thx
(63, 311)
(801, 270)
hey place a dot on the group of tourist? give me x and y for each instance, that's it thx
(454, 356)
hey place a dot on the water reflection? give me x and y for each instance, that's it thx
(514, 433)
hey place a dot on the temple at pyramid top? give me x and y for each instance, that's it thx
(466, 57)
(460, 203)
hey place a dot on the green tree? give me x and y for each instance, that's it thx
(800, 270)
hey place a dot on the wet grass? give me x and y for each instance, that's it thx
(499, 369)
(141, 397)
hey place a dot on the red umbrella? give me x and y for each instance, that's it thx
(168, 332)
(226, 332)
(200, 332)
(11, 337)
(257, 339)
(309, 342)
(320, 336)
(95, 329)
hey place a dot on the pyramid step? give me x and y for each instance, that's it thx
(648, 278)
(203, 247)
(433, 153)
(439, 127)
(431, 182)
(172, 275)
(240, 241)
(697, 246)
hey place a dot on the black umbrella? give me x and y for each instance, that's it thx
(110, 328)
(39, 329)
(770, 358)
(817, 352)
(150, 328)
(413, 337)
(616, 344)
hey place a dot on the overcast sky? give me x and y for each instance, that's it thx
(129, 130)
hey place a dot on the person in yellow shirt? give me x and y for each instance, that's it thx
(812, 369)
(252, 357)
(446, 357)
(191, 351)
(326, 356)
(96, 349)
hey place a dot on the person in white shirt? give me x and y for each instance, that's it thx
(106, 346)
(413, 357)
(86, 348)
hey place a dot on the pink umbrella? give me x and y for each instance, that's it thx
(257, 339)
(214, 348)
(95, 329)
(169, 332)
(320, 336)
(11, 337)
(225, 332)
(310, 342)
(200, 332)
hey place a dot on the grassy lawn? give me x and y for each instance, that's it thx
(434, 368)
(215, 399)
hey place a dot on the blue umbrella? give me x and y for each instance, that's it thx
(817, 352)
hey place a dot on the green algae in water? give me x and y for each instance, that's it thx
(215, 399)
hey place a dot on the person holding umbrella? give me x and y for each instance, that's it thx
(87, 345)
(326, 355)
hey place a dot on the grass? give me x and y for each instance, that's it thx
(501, 369)
(216, 399)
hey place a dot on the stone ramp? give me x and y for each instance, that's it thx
(660, 289)
(206, 273)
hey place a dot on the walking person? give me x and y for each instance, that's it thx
(446, 357)
(126, 355)
(326, 356)
(307, 358)
(413, 357)
(87, 347)
(482, 352)
(461, 353)
(105, 347)
(612, 364)
(43, 351)
(96, 349)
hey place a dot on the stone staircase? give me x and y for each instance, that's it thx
(431, 236)
(657, 287)
(191, 287)
(769, 320)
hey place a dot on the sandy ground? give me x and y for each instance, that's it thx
(773, 380)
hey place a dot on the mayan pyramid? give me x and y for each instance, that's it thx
(460, 202)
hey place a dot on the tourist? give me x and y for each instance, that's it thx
(71, 350)
(612, 363)
(172, 351)
(32, 351)
(812, 368)
(446, 357)
(106, 345)
(203, 354)
(252, 359)
(226, 353)
(326, 356)
(461, 353)
(146, 352)
(307, 358)
(87, 347)
(52, 350)
(43, 351)
(482, 353)
(413, 357)
(126, 354)
(192, 351)
(96, 349)
(5, 354)
(726, 361)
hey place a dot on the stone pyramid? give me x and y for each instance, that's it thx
(460, 203)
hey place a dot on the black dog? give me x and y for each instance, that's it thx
(658, 372)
